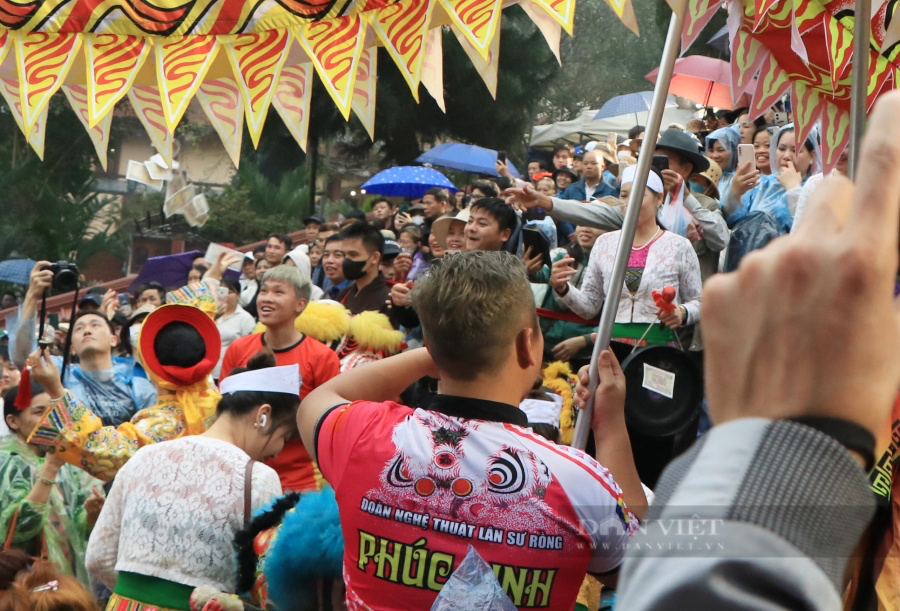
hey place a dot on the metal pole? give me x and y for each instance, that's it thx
(860, 83)
(629, 225)
(312, 158)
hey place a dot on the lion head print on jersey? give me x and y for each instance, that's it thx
(459, 471)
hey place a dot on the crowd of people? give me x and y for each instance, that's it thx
(353, 417)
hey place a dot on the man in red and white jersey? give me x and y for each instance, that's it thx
(416, 487)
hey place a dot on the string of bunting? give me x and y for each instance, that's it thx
(803, 47)
(238, 58)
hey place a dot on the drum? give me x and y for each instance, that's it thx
(664, 390)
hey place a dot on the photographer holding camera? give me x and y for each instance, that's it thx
(109, 390)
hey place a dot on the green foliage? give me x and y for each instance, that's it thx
(89, 225)
(253, 206)
(50, 208)
(604, 59)
(336, 207)
(137, 205)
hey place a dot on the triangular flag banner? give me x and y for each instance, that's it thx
(112, 62)
(747, 55)
(839, 41)
(880, 70)
(764, 9)
(733, 23)
(402, 27)
(835, 135)
(698, 14)
(364, 90)
(433, 68)
(5, 44)
(797, 44)
(808, 15)
(548, 26)
(149, 110)
(257, 60)
(771, 84)
(478, 20)
(563, 11)
(625, 12)
(806, 105)
(9, 89)
(181, 64)
(892, 32)
(43, 61)
(334, 46)
(291, 101)
(221, 101)
(487, 68)
(99, 133)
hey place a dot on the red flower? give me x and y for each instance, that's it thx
(664, 300)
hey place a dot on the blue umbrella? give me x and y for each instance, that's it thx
(17, 271)
(465, 157)
(410, 181)
(630, 103)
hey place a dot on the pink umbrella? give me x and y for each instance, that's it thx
(704, 80)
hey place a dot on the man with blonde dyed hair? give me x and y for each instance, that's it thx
(416, 487)
(283, 294)
(469, 312)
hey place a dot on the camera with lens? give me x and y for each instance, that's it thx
(65, 276)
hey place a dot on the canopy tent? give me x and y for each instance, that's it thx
(584, 128)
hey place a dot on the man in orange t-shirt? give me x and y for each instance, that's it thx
(283, 294)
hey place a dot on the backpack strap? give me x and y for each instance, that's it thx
(248, 489)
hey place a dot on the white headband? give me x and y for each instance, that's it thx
(284, 379)
(654, 183)
(542, 412)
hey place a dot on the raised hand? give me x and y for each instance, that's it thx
(561, 272)
(821, 334)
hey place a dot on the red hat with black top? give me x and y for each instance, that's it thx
(165, 315)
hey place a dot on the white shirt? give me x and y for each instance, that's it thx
(232, 327)
(173, 511)
(806, 191)
(248, 290)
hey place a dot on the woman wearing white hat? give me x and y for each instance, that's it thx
(659, 259)
(174, 508)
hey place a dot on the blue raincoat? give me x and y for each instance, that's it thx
(769, 195)
(115, 395)
(730, 137)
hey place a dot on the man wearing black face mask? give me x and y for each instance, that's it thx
(368, 290)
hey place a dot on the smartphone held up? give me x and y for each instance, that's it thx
(746, 155)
